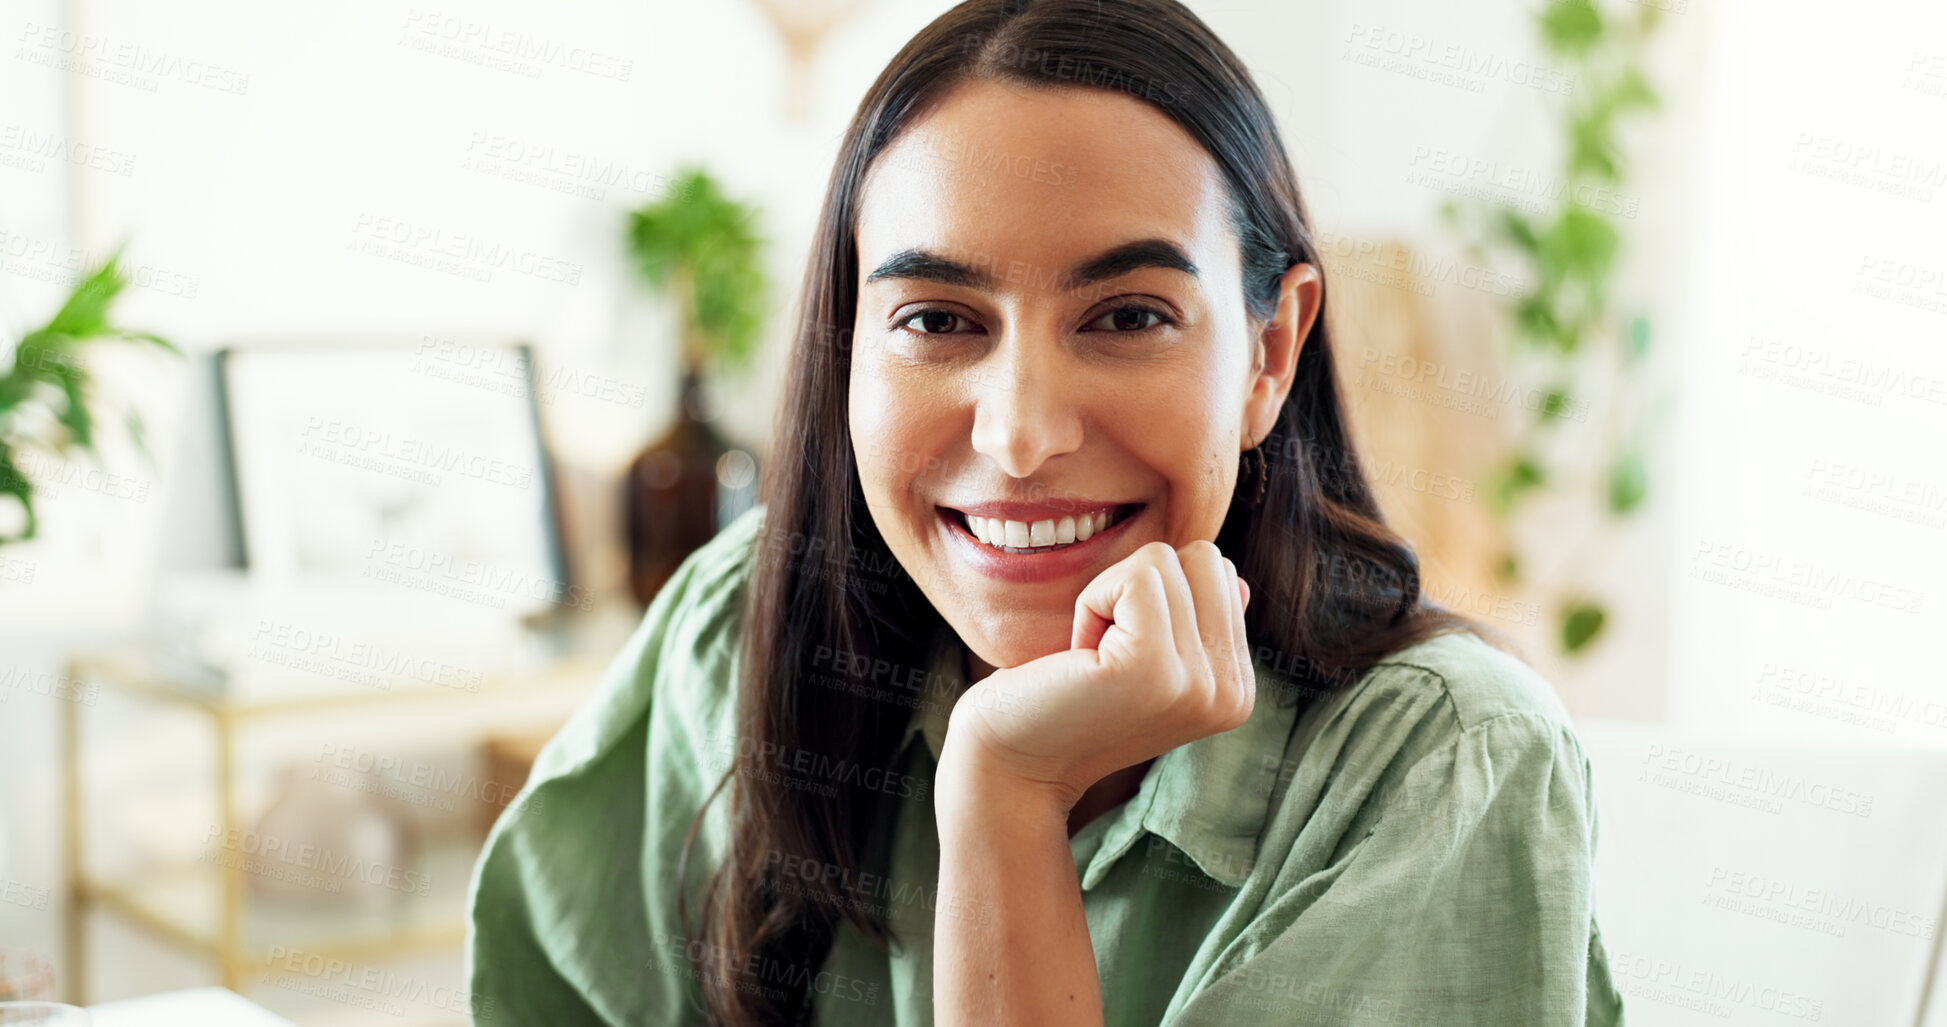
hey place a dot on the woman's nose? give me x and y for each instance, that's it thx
(1025, 409)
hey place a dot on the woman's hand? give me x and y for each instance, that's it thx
(1157, 658)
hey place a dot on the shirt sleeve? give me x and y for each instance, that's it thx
(557, 928)
(1468, 902)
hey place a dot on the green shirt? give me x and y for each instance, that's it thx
(1413, 850)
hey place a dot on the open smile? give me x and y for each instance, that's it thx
(1022, 544)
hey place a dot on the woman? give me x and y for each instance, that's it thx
(1068, 673)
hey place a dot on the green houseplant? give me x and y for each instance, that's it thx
(700, 248)
(47, 401)
(1566, 332)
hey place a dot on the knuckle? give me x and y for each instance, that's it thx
(1201, 549)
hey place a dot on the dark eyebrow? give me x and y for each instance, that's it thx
(1130, 256)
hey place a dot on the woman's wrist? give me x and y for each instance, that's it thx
(972, 786)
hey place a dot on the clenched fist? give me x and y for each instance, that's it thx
(1157, 658)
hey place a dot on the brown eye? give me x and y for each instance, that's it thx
(934, 322)
(1127, 319)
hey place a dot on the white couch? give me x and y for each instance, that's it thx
(1768, 883)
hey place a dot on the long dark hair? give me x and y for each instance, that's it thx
(829, 609)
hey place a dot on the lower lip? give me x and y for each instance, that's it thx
(1053, 565)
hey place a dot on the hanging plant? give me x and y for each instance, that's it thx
(1565, 331)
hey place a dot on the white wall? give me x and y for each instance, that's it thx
(247, 208)
(1816, 403)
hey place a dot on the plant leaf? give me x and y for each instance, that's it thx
(711, 239)
(1628, 482)
(14, 483)
(1520, 475)
(86, 311)
(1639, 337)
(1582, 621)
(1571, 27)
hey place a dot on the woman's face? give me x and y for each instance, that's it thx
(1052, 363)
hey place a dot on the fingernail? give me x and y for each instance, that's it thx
(1246, 586)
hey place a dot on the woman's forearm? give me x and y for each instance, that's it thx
(1010, 943)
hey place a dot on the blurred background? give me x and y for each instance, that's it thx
(367, 368)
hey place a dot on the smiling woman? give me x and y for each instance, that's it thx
(1068, 672)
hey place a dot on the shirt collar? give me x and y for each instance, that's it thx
(1210, 797)
(946, 678)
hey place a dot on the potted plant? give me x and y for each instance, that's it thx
(46, 395)
(701, 248)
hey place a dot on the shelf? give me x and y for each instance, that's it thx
(183, 904)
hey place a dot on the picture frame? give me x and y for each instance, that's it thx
(420, 463)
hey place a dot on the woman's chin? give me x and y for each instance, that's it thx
(1002, 649)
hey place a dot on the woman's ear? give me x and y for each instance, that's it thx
(1275, 363)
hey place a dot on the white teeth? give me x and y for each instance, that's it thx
(1001, 533)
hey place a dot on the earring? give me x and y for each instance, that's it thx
(1253, 472)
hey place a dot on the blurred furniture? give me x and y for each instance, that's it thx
(1424, 389)
(509, 759)
(803, 25)
(1773, 882)
(205, 908)
(197, 1007)
(25, 977)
